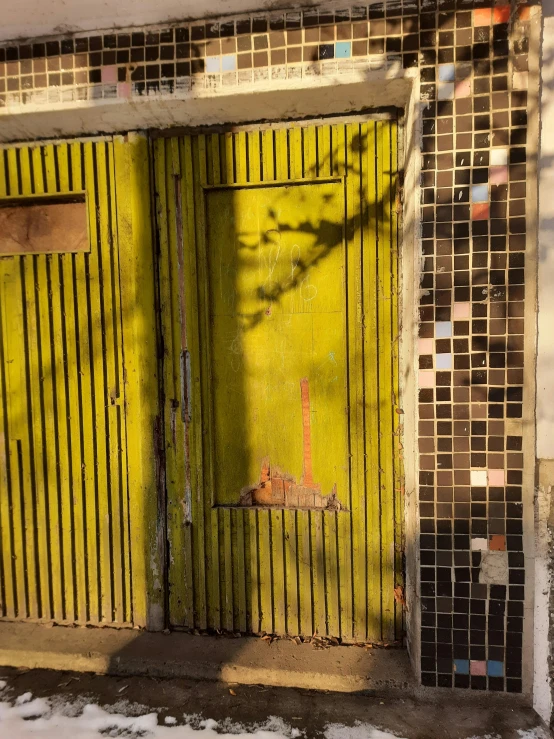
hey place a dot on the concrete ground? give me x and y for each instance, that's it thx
(438, 715)
(247, 680)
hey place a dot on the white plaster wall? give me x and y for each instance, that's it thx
(542, 693)
(34, 18)
(545, 349)
(542, 683)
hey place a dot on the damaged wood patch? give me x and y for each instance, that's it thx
(279, 488)
(49, 227)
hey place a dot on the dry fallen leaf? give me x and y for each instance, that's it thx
(231, 691)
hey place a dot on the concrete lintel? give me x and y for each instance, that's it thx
(279, 100)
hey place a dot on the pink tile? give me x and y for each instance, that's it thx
(124, 90)
(480, 211)
(463, 89)
(482, 17)
(426, 378)
(498, 175)
(496, 478)
(109, 74)
(426, 346)
(461, 310)
(478, 667)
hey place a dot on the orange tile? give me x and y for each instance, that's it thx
(501, 14)
(479, 211)
(524, 12)
(482, 17)
(497, 543)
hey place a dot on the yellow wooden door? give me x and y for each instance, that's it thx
(278, 274)
(64, 519)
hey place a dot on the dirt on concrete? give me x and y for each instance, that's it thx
(432, 714)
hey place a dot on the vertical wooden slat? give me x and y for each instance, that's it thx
(208, 609)
(255, 586)
(278, 571)
(254, 157)
(370, 226)
(331, 573)
(396, 418)
(240, 576)
(38, 492)
(99, 341)
(65, 441)
(9, 598)
(354, 220)
(385, 377)
(194, 440)
(168, 270)
(318, 572)
(72, 379)
(265, 574)
(291, 573)
(281, 154)
(227, 569)
(119, 443)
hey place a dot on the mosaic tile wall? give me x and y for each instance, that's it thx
(473, 62)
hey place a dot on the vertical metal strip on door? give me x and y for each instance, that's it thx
(284, 570)
(64, 518)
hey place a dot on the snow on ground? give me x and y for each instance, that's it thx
(40, 718)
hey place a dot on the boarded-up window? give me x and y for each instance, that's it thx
(45, 226)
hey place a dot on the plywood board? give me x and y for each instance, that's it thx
(44, 228)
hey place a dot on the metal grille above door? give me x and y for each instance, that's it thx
(64, 518)
(278, 285)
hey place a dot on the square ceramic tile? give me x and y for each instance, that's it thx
(461, 310)
(426, 378)
(426, 346)
(229, 62)
(213, 64)
(443, 361)
(478, 478)
(479, 544)
(443, 329)
(447, 72)
(480, 193)
(496, 478)
(445, 90)
(343, 49)
(478, 667)
(498, 157)
(495, 669)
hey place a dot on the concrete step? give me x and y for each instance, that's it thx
(246, 660)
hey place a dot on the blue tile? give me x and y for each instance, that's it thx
(343, 49)
(495, 669)
(443, 361)
(229, 63)
(213, 64)
(443, 329)
(461, 666)
(447, 72)
(480, 193)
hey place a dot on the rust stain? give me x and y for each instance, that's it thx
(279, 488)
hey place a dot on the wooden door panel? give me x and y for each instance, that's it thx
(278, 343)
(279, 288)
